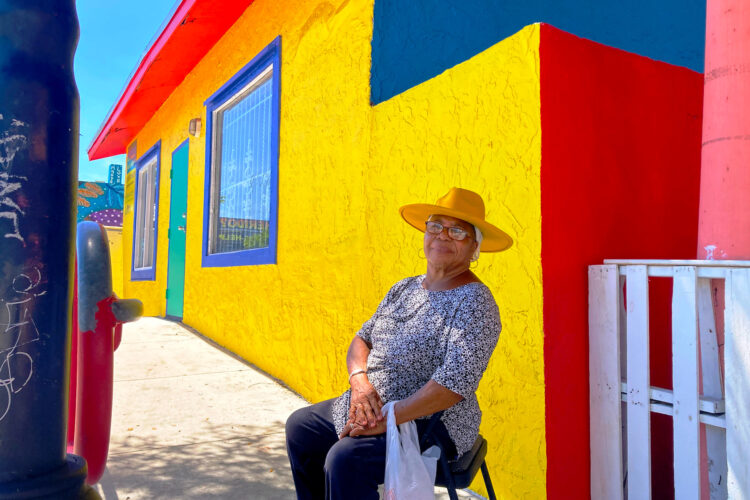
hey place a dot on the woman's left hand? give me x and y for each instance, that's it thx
(353, 429)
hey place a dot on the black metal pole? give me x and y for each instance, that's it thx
(38, 173)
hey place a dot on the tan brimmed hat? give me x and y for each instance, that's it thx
(461, 204)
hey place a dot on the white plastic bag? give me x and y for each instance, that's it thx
(409, 475)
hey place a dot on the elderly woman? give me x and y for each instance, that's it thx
(426, 346)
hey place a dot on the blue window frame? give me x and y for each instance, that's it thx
(242, 157)
(146, 216)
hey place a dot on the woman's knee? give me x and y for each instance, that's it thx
(341, 457)
(356, 465)
(354, 455)
(296, 424)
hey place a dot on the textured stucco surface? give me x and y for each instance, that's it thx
(627, 189)
(477, 125)
(344, 169)
(114, 236)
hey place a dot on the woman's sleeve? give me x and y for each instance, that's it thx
(472, 340)
(365, 333)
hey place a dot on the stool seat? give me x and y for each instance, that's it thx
(464, 468)
(460, 472)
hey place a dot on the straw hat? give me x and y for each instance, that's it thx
(461, 204)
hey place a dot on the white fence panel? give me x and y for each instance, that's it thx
(604, 383)
(737, 369)
(619, 342)
(687, 472)
(716, 437)
(623, 373)
(639, 412)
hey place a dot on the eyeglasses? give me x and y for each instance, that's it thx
(455, 232)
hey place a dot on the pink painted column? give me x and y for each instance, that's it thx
(724, 220)
(724, 217)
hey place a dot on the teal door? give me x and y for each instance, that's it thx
(177, 231)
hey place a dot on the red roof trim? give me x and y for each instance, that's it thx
(174, 53)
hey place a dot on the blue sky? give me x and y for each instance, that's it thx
(114, 36)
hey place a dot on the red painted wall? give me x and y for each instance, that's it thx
(620, 179)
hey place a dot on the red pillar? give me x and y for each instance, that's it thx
(724, 219)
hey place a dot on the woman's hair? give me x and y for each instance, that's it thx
(478, 237)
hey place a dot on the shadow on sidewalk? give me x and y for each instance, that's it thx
(252, 465)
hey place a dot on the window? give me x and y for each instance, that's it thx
(242, 165)
(145, 220)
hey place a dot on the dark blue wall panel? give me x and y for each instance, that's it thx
(414, 40)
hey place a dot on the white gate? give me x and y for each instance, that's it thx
(619, 373)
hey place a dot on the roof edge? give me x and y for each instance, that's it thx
(178, 14)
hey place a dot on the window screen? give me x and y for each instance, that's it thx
(241, 191)
(143, 254)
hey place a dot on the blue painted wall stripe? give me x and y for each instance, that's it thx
(416, 40)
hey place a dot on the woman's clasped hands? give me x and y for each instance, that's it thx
(365, 415)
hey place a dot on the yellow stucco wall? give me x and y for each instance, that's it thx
(114, 235)
(477, 126)
(344, 169)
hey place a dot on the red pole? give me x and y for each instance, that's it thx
(73, 365)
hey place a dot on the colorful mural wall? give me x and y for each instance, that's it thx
(100, 202)
(584, 149)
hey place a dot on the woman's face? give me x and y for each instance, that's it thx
(443, 251)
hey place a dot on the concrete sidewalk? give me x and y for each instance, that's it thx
(191, 421)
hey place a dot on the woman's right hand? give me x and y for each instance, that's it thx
(365, 398)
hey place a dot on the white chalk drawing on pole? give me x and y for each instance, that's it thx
(20, 330)
(12, 140)
(711, 252)
(9, 209)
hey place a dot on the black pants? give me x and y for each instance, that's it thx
(326, 467)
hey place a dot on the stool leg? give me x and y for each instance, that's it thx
(449, 477)
(488, 481)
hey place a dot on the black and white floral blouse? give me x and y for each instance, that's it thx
(417, 335)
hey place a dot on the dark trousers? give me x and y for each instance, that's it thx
(326, 467)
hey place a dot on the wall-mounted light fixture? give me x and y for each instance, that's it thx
(194, 128)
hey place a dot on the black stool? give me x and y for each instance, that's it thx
(459, 472)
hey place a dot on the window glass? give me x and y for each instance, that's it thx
(242, 169)
(143, 254)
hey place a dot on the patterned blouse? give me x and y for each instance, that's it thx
(417, 335)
